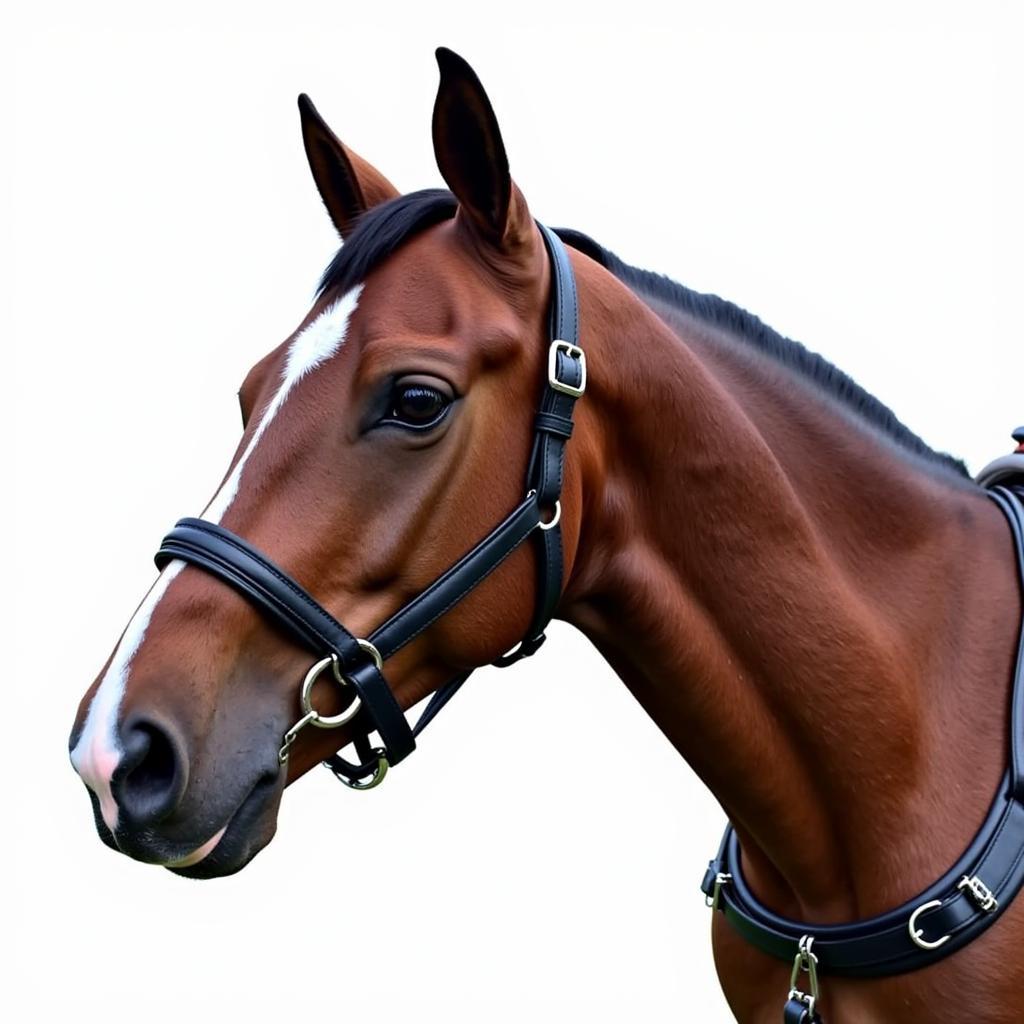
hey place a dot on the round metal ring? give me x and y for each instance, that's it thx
(553, 521)
(329, 721)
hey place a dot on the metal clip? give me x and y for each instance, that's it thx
(805, 961)
(292, 733)
(982, 894)
(722, 878)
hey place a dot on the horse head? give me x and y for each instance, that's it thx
(386, 435)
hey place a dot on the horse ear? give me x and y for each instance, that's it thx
(471, 155)
(347, 184)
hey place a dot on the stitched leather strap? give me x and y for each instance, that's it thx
(236, 562)
(968, 899)
(553, 429)
(454, 584)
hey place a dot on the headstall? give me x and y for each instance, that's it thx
(357, 664)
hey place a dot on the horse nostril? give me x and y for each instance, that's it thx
(150, 780)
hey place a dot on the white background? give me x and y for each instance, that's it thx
(855, 182)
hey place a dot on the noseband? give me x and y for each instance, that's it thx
(356, 663)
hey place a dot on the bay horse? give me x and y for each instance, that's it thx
(820, 612)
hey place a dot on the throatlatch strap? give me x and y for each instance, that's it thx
(945, 917)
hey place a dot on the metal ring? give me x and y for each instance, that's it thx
(553, 521)
(917, 934)
(330, 721)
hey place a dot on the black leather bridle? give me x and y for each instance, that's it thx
(358, 663)
(948, 915)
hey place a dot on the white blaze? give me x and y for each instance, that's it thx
(98, 749)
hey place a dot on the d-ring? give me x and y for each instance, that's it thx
(917, 934)
(372, 651)
(330, 721)
(378, 773)
(553, 521)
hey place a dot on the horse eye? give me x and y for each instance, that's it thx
(418, 405)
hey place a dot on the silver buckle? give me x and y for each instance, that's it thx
(917, 934)
(573, 352)
(722, 878)
(982, 894)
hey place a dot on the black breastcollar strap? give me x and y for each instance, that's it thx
(359, 662)
(945, 917)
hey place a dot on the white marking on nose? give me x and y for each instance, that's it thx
(98, 750)
(315, 344)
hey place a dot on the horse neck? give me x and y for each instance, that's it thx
(823, 625)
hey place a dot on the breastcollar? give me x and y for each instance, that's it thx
(948, 914)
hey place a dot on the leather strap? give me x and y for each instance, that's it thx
(952, 912)
(237, 563)
(795, 1012)
(553, 429)
(1007, 500)
(454, 584)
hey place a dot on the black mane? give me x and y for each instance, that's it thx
(383, 229)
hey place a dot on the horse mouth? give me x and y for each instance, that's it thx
(248, 831)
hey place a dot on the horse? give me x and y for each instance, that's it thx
(819, 611)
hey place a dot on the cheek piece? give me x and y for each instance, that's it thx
(356, 663)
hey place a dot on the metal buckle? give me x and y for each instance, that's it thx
(805, 960)
(573, 352)
(917, 934)
(982, 894)
(722, 878)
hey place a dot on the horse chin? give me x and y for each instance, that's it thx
(248, 831)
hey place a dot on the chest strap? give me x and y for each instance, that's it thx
(945, 917)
